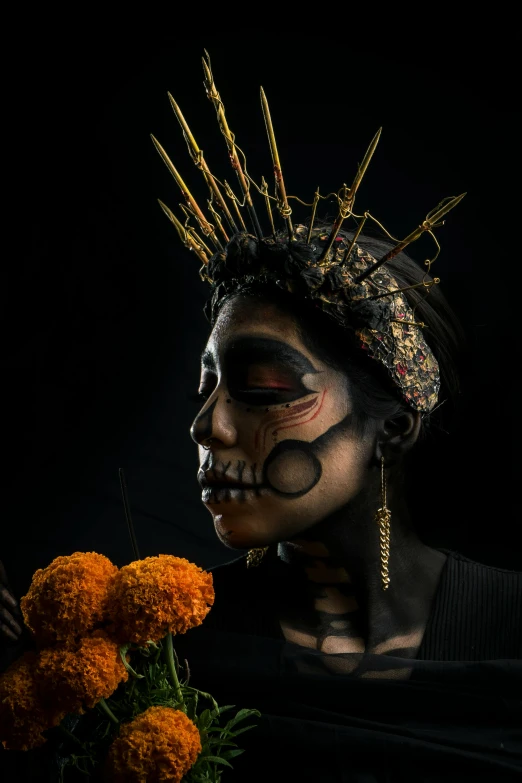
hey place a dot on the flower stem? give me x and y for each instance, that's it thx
(70, 736)
(172, 670)
(105, 707)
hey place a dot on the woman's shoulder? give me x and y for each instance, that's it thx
(461, 568)
(477, 613)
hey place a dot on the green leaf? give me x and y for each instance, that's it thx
(241, 715)
(216, 760)
(219, 741)
(230, 754)
(240, 731)
(204, 720)
(227, 707)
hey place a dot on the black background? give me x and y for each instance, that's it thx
(104, 323)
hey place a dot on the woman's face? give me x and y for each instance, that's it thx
(277, 448)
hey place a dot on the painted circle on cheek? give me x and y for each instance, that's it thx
(292, 469)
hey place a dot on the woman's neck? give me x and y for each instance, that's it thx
(336, 570)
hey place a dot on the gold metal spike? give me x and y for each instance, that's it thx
(214, 96)
(314, 208)
(344, 211)
(348, 198)
(428, 224)
(192, 231)
(217, 217)
(282, 201)
(197, 156)
(355, 237)
(361, 171)
(264, 190)
(206, 227)
(184, 235)
(230, 194)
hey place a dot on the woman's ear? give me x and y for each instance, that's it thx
(396, 436)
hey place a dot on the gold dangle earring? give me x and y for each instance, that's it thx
(255, 556)
(383, 518)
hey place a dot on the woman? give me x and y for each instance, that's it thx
(303, 439)
(371, 655)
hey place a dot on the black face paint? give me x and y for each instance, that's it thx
(246, 355)
(302, 458)
(292, 456)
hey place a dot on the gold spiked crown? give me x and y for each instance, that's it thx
(326, 267)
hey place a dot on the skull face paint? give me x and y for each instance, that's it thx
(277, 449)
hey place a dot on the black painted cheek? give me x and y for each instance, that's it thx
(292, 469)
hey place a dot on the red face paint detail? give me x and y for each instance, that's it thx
(282, 415)
(306, 421)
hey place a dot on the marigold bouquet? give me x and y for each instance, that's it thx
(105, 676)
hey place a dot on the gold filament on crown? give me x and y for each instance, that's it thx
(221, 212)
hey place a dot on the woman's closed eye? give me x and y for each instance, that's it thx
(265, 385)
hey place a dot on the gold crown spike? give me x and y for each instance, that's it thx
(282, 201)
(355, 237)
(217, 217)
(430, 222)
(206, 227)
(264, 191)
(230, 194)
(314, 208)
(346, 205)
(184, 235)
(188, 214)
(214, 96)
(197, 156)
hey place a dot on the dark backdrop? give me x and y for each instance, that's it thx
(104, 306)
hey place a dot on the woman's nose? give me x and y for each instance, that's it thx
(214, 422)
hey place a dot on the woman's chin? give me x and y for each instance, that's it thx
(235, 535)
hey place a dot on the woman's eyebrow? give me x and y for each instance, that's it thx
(258, 349)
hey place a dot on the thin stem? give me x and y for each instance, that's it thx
(70, 736)
(126, 507)
(173, 673)
(105, 707)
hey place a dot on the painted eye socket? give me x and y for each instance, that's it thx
(268, 378)
(264, 395)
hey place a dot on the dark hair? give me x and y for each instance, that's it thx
(374, 394)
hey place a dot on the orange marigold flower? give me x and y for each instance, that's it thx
(79, 677)
(161, 744)
(23, 715)
(151, 597)
(69, 597)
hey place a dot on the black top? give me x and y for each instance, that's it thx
(453, 714)
(476, 614)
